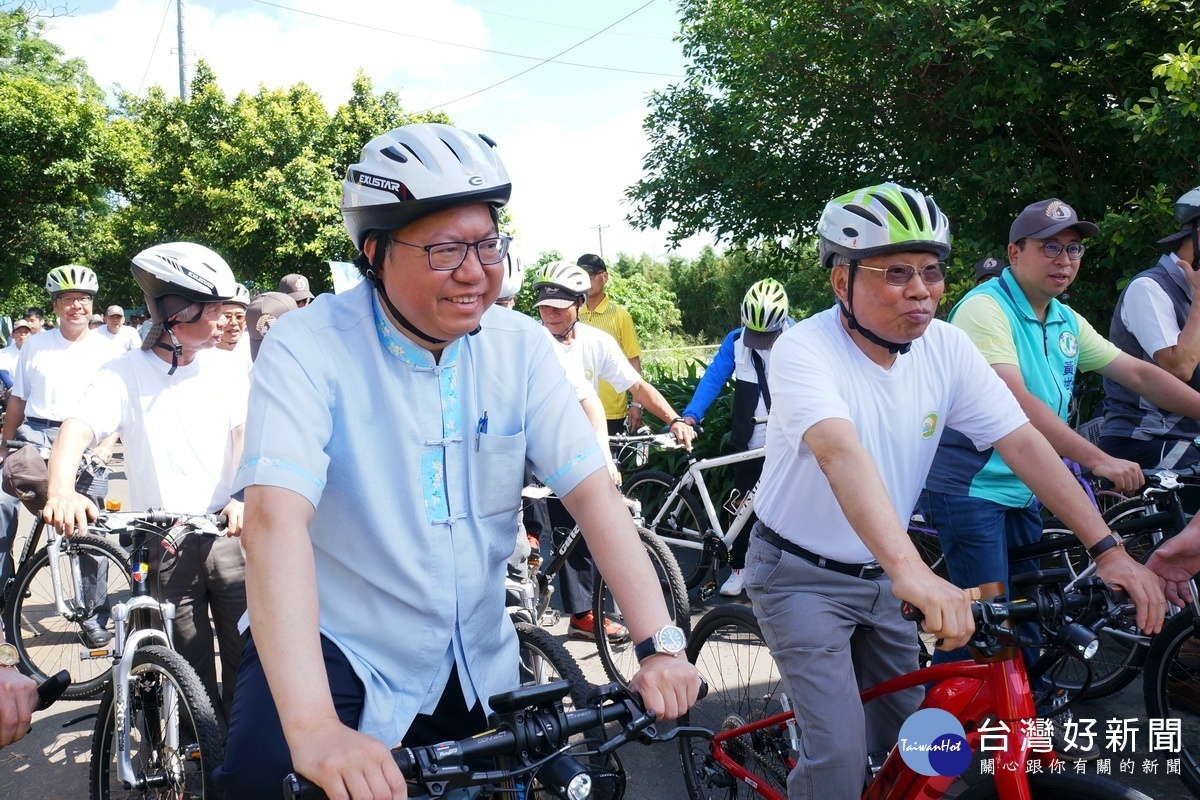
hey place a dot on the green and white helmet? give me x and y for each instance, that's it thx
(570, 278)
(765, 306)
(71, 278)
(887, 218)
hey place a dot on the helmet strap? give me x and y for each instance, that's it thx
(175, 348)
(870, 336)
(1196, 245)
(374, 275)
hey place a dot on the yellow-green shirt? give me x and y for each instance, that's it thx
(615, 321)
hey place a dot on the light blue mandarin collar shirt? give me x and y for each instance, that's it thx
(415, 505)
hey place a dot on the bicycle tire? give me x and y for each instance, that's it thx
(686, 521)
(1060, 787)
(182, 772)
(544, 659)
(47, 642)
(744, 685)
(1172, 678)
(618, 658)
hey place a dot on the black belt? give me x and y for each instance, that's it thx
(52, 423)
(867, 571)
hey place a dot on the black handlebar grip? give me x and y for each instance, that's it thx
(52, 688)
(911, 612)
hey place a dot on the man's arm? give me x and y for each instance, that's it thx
(1181, 358)
(1037, 465)
(281, 594)
(234, 510)
(595, 414)
(66, 509)
(652, 399)
(864, 500)
(14, 415)
(1155, 384)
(668, 686)
(1126, 475)
(716, 375)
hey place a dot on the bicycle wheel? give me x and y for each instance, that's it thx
(618, 658)
(684, 520)
(1060, 787)
(544, 660)
(743, 686)
(1172, 689)
(48, 641)
(174, 742)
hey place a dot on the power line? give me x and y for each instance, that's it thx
(542, 63)
(470, 47)
(149, 61)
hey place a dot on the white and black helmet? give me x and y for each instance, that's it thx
(570, 280)
(882, 219)
(514, 275)
(188, 270)
(71, 278)
(417, 170)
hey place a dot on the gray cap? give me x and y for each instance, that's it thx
(988, 268)
(296, 286)
(555, 296)
(1046, 218)
(261, 314)
(113, 310)
(22, 323)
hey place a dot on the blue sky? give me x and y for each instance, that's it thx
(570, 136)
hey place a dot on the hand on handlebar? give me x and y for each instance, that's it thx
(69, 512)
(347, 763)
(18, 699)
(668, 686)
(1126, 476)
(1176, 561)
(233, 513)
(1118, 568)
(683, 433)
(947, 608)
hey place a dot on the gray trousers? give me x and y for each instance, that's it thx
(831, 634)
(206, 580)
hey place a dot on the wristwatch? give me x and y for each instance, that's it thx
(1104, 545)
(8, 655)
(668, 640)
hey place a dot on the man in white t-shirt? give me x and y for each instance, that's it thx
(115, 329)
(861, 395)
(179, 406)
(562, 289)
(233, 340)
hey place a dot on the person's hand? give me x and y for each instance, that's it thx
(18, 699)
(633, 417)
(1176, 561)
(667, 685)
(347, 764)
(683, 433)
(946, 607)
(1126, 476)
(614, 473)
(1117, 568)
(69, 512)
(1192, 275)
(103, 452)
(233, 512)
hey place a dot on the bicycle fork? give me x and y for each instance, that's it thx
(161, 721)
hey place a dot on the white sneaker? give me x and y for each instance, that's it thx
(734, 584)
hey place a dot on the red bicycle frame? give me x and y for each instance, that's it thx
(974, 693)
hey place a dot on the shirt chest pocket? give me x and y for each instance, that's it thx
(498, 473)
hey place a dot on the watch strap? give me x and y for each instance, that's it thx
(1104, 545)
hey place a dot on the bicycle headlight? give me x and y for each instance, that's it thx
(1079, 641)
(567, 778)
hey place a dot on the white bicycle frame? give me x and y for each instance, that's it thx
(694, 477)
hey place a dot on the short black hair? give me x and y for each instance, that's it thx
(34, 311)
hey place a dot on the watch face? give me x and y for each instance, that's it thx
(671, 640)
(8, 655)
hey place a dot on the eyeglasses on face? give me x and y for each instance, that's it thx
(1052, 249)
(900, 274)
(447, 256)
(74, 299)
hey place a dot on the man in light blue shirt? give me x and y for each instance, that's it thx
(385, 444)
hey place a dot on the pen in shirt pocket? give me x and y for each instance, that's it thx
(480, 429)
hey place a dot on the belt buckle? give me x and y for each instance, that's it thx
(870, 571)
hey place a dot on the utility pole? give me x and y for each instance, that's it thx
(600, 233)
(183, 78)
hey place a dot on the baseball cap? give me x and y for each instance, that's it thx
(261, 314)
(95, 319)
(111, 310)
(592, 263)
(296, 286)
(1046, 218)
(988, 268)
(21, 323)
(555, 296)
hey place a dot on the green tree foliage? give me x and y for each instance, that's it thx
(987, 106)
(59, 158)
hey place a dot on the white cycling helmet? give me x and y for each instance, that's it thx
(241, 296)
(765, 306)
(417, 170)
(569, 279)
(887, 218)
(71, 278)
(514, 276)
(188, 270)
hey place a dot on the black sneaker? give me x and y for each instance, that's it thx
(94, 634)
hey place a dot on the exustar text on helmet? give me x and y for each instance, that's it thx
(379, 182)
(198, 278)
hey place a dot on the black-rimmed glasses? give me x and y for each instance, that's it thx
(1052, 249)
(447, 256)
(900, 274)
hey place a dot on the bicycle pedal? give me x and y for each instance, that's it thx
(549, 619)
(707, 591)
(92, 655)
